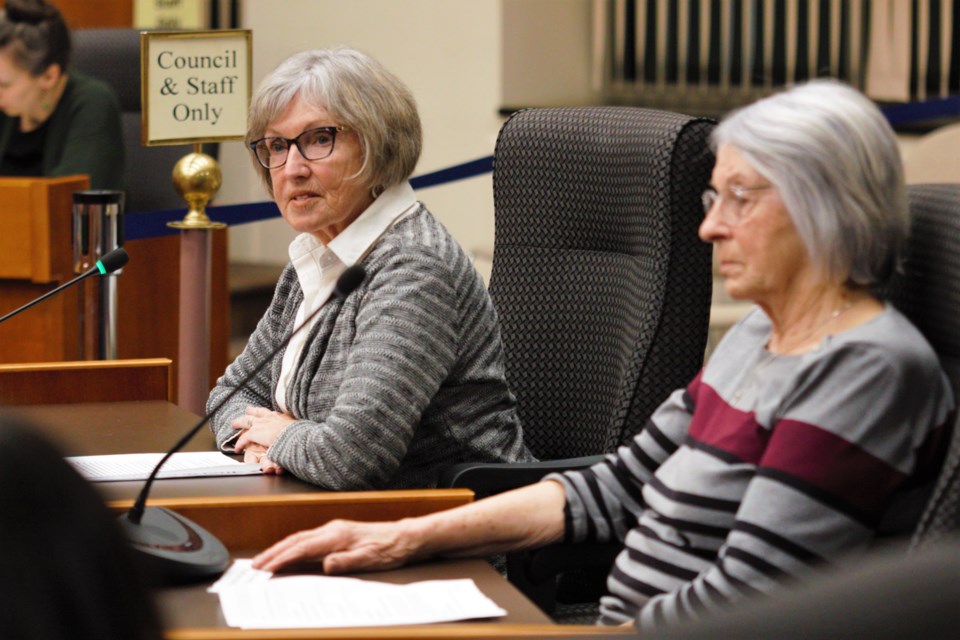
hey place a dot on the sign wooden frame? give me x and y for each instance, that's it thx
(196, 85)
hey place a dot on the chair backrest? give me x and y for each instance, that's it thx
(928, 292)
(600, 281)
(113, 55)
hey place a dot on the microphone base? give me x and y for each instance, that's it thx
(173, 549)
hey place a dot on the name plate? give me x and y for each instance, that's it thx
(196, 85)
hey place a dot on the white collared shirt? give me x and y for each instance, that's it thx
(318, 266)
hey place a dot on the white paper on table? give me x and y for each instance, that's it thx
(137, 466)
(240, 573)
(296, 602)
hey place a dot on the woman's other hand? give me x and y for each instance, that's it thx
(257, 454)
(524, 518)
(260, 426)
(342, 546)
(259, 429)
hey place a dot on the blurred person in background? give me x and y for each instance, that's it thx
(53, 122)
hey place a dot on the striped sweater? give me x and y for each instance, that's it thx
(396, 382)
(762, 469)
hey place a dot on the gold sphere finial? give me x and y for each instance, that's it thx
(197, 178)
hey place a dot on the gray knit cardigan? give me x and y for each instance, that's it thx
(396, 382)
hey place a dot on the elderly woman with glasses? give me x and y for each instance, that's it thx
(404, 376)
(814, 416)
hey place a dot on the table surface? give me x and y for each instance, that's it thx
(150, 427)
(145, 427)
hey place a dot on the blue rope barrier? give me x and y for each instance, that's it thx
(153, 224)
(456, 172)
(914, 112)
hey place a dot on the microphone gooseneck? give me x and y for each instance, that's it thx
(170, 552)
(107, 264)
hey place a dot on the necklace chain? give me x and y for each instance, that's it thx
(751, 378)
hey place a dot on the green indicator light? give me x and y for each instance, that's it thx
(103, 271)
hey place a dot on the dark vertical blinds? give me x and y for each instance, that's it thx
(689, 49)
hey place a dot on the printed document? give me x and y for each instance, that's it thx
(137, 466)
(251, 600)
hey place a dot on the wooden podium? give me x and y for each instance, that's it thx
(36, 255)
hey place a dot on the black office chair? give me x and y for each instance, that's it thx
(928, 292)
(113, 55)
(603, 291)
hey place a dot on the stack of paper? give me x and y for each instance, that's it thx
(252, 599)
(137, 466)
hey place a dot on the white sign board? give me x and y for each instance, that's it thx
(196, 85)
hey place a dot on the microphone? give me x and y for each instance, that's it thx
(107, 264)
(175, 549)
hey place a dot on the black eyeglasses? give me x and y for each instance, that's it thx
(313, 144)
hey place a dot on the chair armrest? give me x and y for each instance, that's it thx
(547, 562)
(535, 571)
(489, 478)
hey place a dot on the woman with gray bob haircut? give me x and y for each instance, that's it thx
(386, 119)
(834, 159)
(404, 376)
(813, 419)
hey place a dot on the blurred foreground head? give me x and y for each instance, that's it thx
(68, 572)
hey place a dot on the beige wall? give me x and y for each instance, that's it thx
(447, 51)
(463, 60)
(547, 53)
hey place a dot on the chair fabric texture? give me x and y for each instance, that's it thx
(603, 291)
(928, 292)
(599, 278)
(113, 55)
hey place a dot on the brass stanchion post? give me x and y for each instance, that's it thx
(197, 178)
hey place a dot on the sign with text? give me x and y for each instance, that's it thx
(171, 14)
(196, 85)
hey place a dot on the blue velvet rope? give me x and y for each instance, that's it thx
(927, 110)
(152, 224)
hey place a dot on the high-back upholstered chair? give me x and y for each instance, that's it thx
(928, 292)
(602, 287)
(113, 55)
(599, 278)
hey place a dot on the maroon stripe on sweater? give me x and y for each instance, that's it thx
(694, 385)
(832, 465)
(722, 427)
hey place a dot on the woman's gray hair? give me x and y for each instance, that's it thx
(835, 161)
(360, 94)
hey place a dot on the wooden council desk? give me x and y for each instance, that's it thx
(247, 513)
